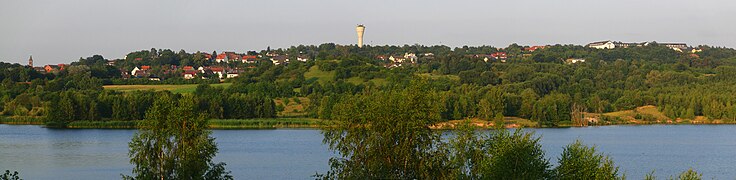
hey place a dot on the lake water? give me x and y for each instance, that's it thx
(40, 153)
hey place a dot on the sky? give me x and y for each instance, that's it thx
(55, 31)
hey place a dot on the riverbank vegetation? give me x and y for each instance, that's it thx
(375, 141)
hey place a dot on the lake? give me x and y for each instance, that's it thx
(40, 153)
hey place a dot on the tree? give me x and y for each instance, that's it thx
(515, 155)
(10, 176)
(690, 174)
(386, 135)
(552, 109)
(174, 143)
(491, 106)
(528, 98)
(581, 162)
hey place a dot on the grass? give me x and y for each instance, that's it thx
(329, 76)
(294, 108)
(322, 76)
(179, 88)
(640, 115)
(21, 120)
(103, 125)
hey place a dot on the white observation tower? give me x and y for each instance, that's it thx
(360, 29)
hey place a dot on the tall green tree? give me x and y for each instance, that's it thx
(174, 143)
(581, 162)
(386, 135)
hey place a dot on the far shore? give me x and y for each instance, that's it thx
(309, 123)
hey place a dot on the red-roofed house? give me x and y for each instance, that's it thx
(221, 57)
(227, 57)
(145, 68)
(250, 59)
(190, 74)
(499, 55)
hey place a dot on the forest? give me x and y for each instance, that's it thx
(536, 85)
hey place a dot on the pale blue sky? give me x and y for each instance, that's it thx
(56, 31)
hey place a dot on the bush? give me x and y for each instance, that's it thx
(581, 162)
(690, 174)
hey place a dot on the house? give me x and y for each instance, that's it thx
(232, 75)
(207, 56)
(48, 68)
(39, 69)
(534, 48)
(499, 55)
(392, 65)
(140, 72)
(227, 57)
(111, 62)
(382, 57)
(612, 44)
(694, 56)
(280, 60)
(302, 58)
(188, 68)
(138, 59)
(62, 66)
(219, 71)
(397, 59)
(190, 74)
(154, 78)
(250, 59)
(602, 45)
(574, 60)
(272, 54)
(411, 57)
(681, 46)
(135, 69)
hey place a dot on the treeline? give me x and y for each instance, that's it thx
(68, 106)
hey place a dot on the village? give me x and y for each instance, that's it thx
(222, 64)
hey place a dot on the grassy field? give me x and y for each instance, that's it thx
(183, 88)
(296, 107)
(322, 76)
(329, 76)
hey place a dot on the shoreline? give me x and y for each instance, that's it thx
(308, 123)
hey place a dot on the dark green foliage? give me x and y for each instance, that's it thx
(173, 143)
(581, 162)
(552, 109)
(10, 176)
(515, 155)
(386, 135)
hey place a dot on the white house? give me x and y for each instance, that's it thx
(574, 60)
(302, 58)
(134, 70)
(602, 45)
